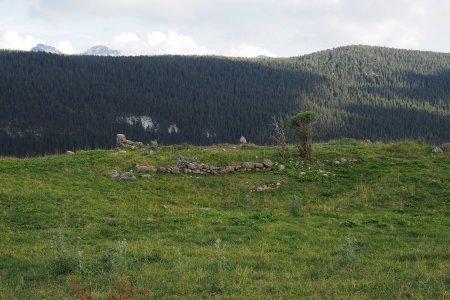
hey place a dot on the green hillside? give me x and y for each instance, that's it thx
(375, 225)
(51, 103)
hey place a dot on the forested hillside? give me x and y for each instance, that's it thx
(52, 103)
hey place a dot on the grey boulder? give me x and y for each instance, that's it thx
(126, 176)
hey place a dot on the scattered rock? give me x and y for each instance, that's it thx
(337, 162)
(445, 147)
(122, 152)
(113, 174)
(122, 142)
(161, 170)
(191, 166)
(263, 187)
(259, 166)
(70, 152)
(154, 143)
(367, 141)
(437, 150)
(120, 139)
(248, 165)
(343, 160)
(227, 169)
(145, 169)
(442, 148)
(175, 170)
(243, 140)
(184, 161)
(281, 167)
(151, 152)
(267, 163)
(126, 176)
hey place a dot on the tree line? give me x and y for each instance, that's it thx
(52, 103)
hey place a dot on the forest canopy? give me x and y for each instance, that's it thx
(52, 103)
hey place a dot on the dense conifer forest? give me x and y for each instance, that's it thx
(52, 103)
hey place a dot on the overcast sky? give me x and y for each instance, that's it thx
(224, 27)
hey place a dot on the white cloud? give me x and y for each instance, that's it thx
(286, 27)
(126, 37)
(389, 32)
(66, 47)
(156, 38)
(12, 40)
(157, 43)
(245, 50)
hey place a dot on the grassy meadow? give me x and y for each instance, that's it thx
(375, 227)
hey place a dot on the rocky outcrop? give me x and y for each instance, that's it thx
(243, 140)
(442, 148)
(122, 142)
(445, 147)
(437, 150)
(120, 139)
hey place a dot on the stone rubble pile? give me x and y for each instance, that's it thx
(189, 166)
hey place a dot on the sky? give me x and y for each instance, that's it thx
(247, 28)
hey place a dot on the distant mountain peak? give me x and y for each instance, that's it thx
(46, 49)
(262, 56)
(101, 50)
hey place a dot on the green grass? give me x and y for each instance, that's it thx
(377, 228)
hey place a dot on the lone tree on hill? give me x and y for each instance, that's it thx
(302, 124)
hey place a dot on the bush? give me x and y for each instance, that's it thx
(114, 259)
(302, 124)
(61, 263)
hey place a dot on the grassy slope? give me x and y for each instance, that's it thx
(379, 228)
